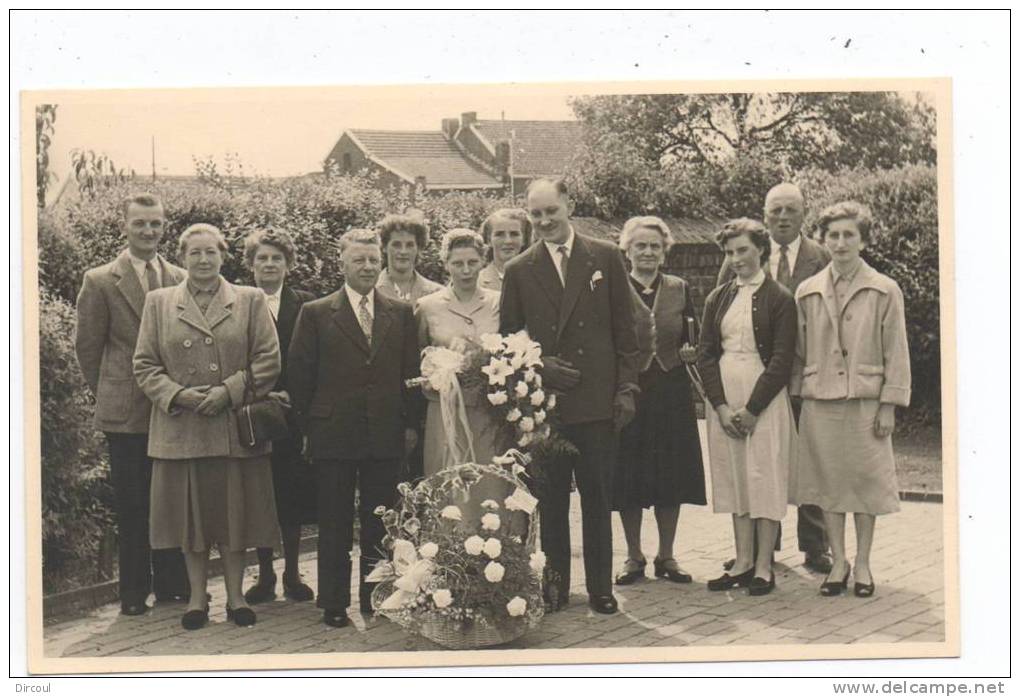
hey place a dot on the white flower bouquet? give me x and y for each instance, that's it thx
(515, 387)
(462, 573)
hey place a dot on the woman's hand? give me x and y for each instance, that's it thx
(190, 397)
(216, 400)
(689, 354)
(745, 421)
(885, 420)
(282, 396)
(726, 421)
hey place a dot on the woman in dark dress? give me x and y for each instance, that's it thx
(270, 254)
(659, 462)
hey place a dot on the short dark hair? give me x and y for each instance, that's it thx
(850, 210)
(280, 239)
(516, 214)
(461, 238)
(755, 231)
(395, 222)
(142, 199)
(558, 182)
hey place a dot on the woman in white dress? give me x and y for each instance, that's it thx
(745, 358)
(462, 310)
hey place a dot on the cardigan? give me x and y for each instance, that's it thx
(774, 318)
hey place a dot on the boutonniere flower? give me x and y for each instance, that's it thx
(595, 278)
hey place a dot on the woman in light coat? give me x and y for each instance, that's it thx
(196, 343)
(852, 371)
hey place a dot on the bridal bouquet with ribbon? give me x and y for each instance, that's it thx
(463, 573)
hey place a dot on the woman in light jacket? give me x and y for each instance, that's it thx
(852, 371)
(196, 342)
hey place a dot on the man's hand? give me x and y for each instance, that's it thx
(216, 400)
(623, 409)
(559, 374)
(410, 440)
(190, 397)
(283, 397)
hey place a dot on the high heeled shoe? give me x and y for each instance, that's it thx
(668, 569)
(759, 586)
(726, 581)
(633, 570)
(830, 589)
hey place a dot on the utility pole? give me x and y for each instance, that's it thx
(153, 159)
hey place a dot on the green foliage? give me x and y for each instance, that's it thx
(76, 502)
(905, 247)
(45, 117)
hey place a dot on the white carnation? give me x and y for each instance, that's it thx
(490, 521)
(451, 513)
(474, 545)
(521, 389)
(517, 606)
(527, 424)
(494, 572)
(428, 550)
(442, 597)
(513, 415)
(493, 548)
(537, 562)
(497, 398)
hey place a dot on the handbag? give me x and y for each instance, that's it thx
(260, 420)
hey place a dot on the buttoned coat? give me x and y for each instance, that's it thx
(811, 258)
(109, 310)
(351, 399)
(588, 321)
(854, 351)
(179, 347)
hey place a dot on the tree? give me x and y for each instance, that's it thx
(827, 130)
(45, 117)
(93, 172)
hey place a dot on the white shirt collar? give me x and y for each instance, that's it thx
(355, 298)
(273, 300)
(757, 280)
(569, 244)
(139, 266)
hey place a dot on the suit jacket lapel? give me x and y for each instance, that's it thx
(128, 284)
(167, 274)
(343, 315)
(579, 271)
(545, 273)
(286, 314)
(380, 323)
(187, 310)
(222, 305)
(802, 268)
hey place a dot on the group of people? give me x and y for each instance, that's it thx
(802, 355)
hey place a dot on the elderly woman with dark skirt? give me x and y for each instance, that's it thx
(659, 459)
(270, 255)
(202, 347)
(852, 371)
(745, 357)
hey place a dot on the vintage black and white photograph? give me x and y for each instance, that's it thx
(399, 376)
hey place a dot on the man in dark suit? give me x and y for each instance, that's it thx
(350, 356)
(109, 309)
(572, 295)
(794, 259)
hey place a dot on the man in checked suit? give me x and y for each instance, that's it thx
(349, 358)
(109, 311)
(794, 259)
(572, 295)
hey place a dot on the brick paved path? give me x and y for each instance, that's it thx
(909, 604)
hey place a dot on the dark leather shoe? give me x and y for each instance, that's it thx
(603, 604)
(134, 609)
(242, 616)
(819, 562)
(864, 590)
(725, 582)
(760, 586)
(299, 591)
(195, 619)
(831, 589)
(335, 618)
(632, 571)
(263, 591)
(668, 569)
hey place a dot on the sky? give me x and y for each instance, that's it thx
(274, 133)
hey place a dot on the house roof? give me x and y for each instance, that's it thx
(540, 148)
(413, 154)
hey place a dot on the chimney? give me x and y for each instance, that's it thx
(503, 157)
(468, 118)
(450, 127)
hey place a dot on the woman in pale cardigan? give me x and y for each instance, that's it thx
(197, 342)
(852, 371)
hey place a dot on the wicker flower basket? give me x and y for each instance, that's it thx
(451, 634)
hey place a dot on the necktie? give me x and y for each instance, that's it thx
(365, 319)
(564, 259)
(151, 279)
(783, 272)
